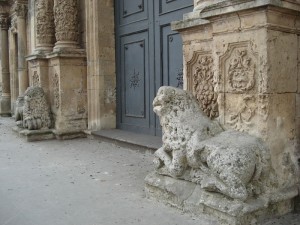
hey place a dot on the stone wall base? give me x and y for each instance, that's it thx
(47, 134)
(5, 107)
(190, 198)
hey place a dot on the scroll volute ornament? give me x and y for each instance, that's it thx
(66, 20)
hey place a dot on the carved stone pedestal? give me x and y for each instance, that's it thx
(39, 72)
(35, 135)
(5, 109)
(241, 63)
(68, 88)
(191, 198)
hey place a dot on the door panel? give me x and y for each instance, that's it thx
(149, 55)
(133, 11)
(134, 80)
(167, 6)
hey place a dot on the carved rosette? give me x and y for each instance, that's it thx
(201, 83)
(45, 28)
(66, 20)
(3, 21)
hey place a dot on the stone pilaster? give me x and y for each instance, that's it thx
(66, 24)
(101, 71)
(5, 107)
(21, 12)
(45, 29)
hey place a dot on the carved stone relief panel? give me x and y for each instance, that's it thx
(55, 86)
(36, 79)
(238, 69)
(81, 99)
(241, 111)
(200, 81)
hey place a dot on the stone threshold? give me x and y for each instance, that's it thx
(128, 139)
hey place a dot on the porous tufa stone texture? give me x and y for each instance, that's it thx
(201, 164)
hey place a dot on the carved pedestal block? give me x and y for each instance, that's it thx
(68, 88)
(241, 64)
(39, 73)
(191, 198)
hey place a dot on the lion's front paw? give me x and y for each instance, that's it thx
(157, 163)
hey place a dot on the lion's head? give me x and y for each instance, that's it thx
(180, 116)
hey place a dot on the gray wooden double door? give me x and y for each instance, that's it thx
(149, 55)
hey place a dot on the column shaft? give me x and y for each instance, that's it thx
(22, 48)
(5, 108)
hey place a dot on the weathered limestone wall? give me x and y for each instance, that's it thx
(101, 64)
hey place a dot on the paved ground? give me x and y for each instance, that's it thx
(80, 182)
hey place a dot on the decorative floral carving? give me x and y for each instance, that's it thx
(21, 9)
(241, 71)
(81, 98)
(203, 86)
(241, 120)
(110, 95)
(45, 22)
(36, 79)
(134, 79)
(66, 20)
(263, 106)
(3, 21)
(55, 85)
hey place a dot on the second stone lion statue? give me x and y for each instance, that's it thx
(199, 150)
(32, 111)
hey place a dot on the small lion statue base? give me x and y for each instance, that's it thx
(32, 111)
(202, 167)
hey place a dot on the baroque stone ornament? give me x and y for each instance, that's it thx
(196, 149)
(35, 114)
(45, 28)
(66, 20)
(3, 21)
(55, 86)
(203, 86)
(36, 79)
(242, 119)
(20, 9)
(241, 72)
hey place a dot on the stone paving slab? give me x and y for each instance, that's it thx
(81, 182)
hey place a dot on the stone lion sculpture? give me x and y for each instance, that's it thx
(198, 149)
(35, 112)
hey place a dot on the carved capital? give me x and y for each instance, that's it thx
(13, 25)
(21, 10)
(66, 20)
(4, 21)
